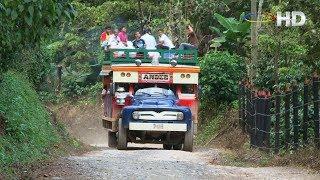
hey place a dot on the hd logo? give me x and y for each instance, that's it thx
(291, 18)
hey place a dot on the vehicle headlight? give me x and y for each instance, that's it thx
(120, 101)
(179, 116)
(135, 115)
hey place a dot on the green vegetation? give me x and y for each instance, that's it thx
(38, 37)
(23, 23)
(28, 133)
(221, 73)
(210, 128)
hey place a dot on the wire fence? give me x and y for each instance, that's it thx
(281, 120)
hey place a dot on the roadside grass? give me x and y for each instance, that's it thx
(211, 118)
(221, 130)
(29, 133)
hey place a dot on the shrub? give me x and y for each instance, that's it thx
(28, 131)
(220, 73)
(33, 63)
(73, 87)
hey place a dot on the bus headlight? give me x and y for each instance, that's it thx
(180, 116)
(120, 101)
(135, 115)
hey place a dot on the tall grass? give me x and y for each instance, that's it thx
(29, 133)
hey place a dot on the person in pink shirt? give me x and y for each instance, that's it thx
(122, 35)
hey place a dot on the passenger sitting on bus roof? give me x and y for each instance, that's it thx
(164, 41)
(122, 35)
(149, 40)
(192, 40)
(138, 42)
(104, 37)
(151, 44)
(113, 41)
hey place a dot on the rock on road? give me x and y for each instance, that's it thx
(156, 163)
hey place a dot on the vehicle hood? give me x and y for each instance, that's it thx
(153, 102)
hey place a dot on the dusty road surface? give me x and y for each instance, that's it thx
(140, 162)
(144, 161)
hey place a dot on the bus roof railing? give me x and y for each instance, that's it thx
(127, 56)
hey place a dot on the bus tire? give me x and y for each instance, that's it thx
(177, 147)
(188, 139)
(167, 146)
(112, 139)
(122, 137)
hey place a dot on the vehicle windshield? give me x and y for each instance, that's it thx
(154, 91)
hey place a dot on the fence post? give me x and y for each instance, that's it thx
(287, 119)
(252, 118)
(277, 123)
(305, 111)
(259, 119)
(241, 106)
(248, 105)
(253, 112)
(316, 109)
(267, 119)
(295, 118)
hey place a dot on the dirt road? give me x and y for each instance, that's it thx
(140, 162)
(145, 161)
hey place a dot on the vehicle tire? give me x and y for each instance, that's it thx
(188, 139)
(112, 139)
(177, 147)
(122, 137)
(167, 146)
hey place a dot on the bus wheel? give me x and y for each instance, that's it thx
(167, 146)
(112, 139)
(177, 146)
(122, 137)
(188, 139)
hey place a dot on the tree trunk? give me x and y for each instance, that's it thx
(255, 26)
(141, 16)
(254, 42)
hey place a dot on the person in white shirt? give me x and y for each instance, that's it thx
(113, 41)
(151, 44)
(164, 41)
(149, 40)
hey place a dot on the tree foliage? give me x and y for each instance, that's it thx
(234, 34)
(220, 74)
(25, 22)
